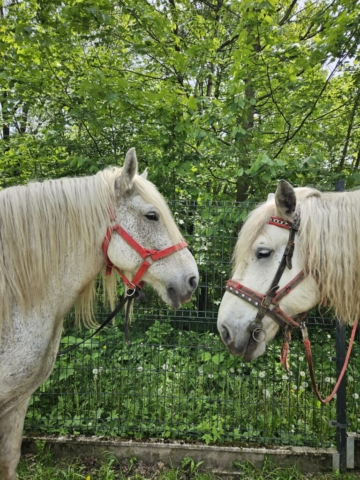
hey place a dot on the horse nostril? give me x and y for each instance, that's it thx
(225, 334)
(193, 282)
(171, 292)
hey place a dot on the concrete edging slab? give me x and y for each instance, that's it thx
(218, 459)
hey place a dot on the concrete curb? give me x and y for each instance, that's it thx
(217, 459)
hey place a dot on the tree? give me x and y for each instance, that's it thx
(219, 98)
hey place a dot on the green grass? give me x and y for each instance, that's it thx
(44, 466)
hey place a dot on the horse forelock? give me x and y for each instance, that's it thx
(252, 228)
(150, 193)
(329, 243)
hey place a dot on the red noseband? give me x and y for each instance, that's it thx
(149, 256)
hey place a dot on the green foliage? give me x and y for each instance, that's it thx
(220, 100)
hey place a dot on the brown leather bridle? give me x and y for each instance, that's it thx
(268, 304)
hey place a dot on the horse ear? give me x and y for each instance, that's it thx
(144, 174)
(285, 200)
(128, 172)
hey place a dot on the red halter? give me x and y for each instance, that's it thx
(149, 256)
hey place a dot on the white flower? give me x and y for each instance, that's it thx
(262, 374)
(95, 371)
(355, 395)
(140, 369)
(159, 391)
(329, 380)
(266, 393)
(304, 384)
(350, 378)
(232, 370)
(165, 366)
(301, 359)
(211, 375)
(285, 377)
(200, 371)
(302, 374)
(294, 387)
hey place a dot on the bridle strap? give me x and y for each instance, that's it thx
(308, 355)
(269, 303)
(258, 300)
(148, 255)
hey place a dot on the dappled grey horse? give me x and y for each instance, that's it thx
(55, 238)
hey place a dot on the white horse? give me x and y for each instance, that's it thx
(51, 251)
(325, 266)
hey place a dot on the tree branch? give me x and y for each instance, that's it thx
(287, 13)
(348, 133)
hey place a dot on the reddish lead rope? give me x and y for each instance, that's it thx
(311, 367)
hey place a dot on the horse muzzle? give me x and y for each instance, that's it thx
(249, 347)
(179, 294)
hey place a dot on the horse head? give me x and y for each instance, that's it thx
(268, 280)
(144, 243)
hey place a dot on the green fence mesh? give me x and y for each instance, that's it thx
(175, 379)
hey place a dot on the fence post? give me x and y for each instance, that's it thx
(341, 393)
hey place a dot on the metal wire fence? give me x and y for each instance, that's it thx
(175, 379)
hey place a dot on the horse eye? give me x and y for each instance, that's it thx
(152, 216)
(263, 253)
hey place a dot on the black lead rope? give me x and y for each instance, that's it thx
(126, 302)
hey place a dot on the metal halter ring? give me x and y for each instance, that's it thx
(258, 338)
(130, 292)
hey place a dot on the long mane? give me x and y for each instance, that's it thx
(329, 243)
(46, 227)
